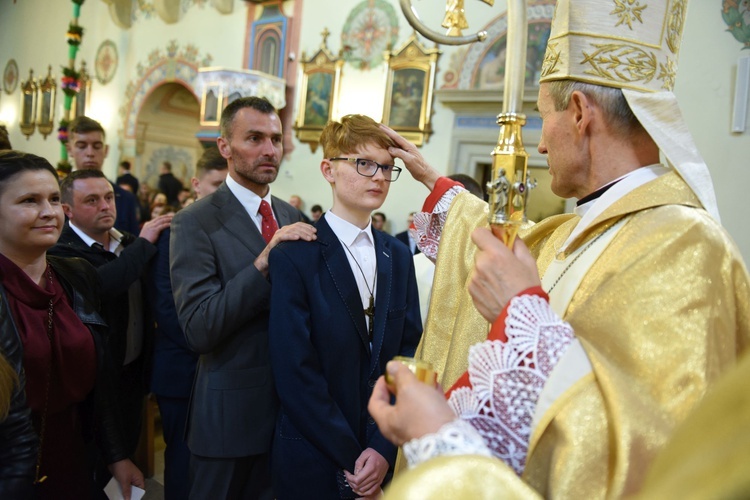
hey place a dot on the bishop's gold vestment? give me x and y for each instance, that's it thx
(661, 314)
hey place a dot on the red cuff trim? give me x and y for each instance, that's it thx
(442, 185)
(497, 332)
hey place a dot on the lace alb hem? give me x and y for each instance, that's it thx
(508, 377)
(454, 438)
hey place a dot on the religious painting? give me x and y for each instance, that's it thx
(409, 90)
(210, 104)
(736, 13)
(105, 62)
(10, 77)
(370, 29)
(321, 77)
(407, 96)
(318, 98)
(490, 74)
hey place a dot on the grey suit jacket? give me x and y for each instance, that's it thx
(223, 304)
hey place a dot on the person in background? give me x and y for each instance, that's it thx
(4, 138)
(316, 211)
(126, 178)
(121, 260)
(50, 315)
(174, 362)
(297, 203)
(378, 221)
(87, 148)
(341, 307)
(169, 184)
(219, 265)
(406, 237)
(145, 195)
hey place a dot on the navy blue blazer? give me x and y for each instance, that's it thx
(321, 360)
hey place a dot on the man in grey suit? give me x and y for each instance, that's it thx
(219, 267)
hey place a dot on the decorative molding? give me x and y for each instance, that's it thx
(175, 65)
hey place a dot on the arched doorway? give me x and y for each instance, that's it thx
(165, 130)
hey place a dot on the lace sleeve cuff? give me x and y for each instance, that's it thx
(454, 438)
(428, 224)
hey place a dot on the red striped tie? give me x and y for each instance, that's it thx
(268, 223)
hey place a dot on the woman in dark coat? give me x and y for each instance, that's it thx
(49, 322)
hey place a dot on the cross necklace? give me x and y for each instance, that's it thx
(370, 311)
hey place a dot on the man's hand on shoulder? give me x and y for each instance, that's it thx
(153, 228)
(296, 231)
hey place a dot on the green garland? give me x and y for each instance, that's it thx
(70, 83)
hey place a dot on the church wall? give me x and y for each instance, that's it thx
(33, 33)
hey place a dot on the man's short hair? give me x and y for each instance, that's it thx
(226, 124)
(84, 125)
(616, 110)
(13, 163)
(380, 214)
(353, 132)
(125, 165)
(66, 186)
(469, 183)
(316, 208)
(211, 159)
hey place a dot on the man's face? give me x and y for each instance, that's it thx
(87, 150)
(355, 193)
(208, 183)
(562, 144)
(254, 149)
(93, 209)
(296, 202)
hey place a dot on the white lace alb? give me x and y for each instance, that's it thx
(454, 438)
(507, 377)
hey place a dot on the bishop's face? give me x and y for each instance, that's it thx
(560, 141)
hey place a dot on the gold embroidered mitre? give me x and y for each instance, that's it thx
(630, 44)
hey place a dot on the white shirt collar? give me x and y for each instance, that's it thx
(115, 238)
(247, 198)
(346, 231)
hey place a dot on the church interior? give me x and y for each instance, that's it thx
(156, 74)
(154, 69)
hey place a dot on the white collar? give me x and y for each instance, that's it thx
(115, 237)
(347, 232)
(247, 198)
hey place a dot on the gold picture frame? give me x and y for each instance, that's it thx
(82, 100)
(409, 92)
(27, 118)
(211, 104)
(45, 120)
(319, 95)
